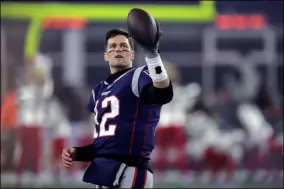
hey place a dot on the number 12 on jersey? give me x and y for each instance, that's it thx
(106, 130)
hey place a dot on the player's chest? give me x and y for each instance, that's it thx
(113, 95)
(116, 88)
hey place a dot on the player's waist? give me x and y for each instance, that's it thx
(130, 161)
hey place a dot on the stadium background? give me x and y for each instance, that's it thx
(221, 46)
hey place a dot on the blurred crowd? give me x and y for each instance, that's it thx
(242, 129)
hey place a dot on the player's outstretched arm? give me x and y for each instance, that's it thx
(154, 62)
(160, 90)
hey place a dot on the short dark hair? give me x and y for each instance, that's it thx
(119, 31)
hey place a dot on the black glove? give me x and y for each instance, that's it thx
(152, 50)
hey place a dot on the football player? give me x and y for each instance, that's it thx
(127, 109)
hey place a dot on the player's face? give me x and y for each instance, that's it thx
(119, 53)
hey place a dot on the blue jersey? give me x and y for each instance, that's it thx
(124, 125)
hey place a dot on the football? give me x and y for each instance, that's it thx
(141, 26)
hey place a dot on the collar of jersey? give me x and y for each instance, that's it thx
(116, 75)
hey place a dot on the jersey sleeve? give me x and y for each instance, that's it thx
(141, 78)
(91, 103)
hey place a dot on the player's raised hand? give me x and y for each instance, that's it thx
(68, 155)
(153, 48)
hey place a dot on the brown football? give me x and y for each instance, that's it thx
(141, 26)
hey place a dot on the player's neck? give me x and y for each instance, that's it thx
(117, 70)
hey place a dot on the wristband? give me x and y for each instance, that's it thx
(156, 69)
